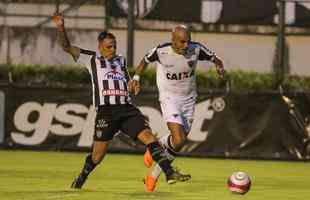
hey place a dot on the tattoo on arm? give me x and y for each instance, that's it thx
(63, 40)
(65, 44)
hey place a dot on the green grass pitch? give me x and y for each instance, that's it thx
(28, 175)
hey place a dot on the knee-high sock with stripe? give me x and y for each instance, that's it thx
(160, 156)
(165, 142)
(89, 166)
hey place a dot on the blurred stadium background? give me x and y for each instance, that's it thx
(266, 37)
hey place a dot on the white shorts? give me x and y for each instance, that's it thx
(178, 110)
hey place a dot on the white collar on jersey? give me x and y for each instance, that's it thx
(98, 55)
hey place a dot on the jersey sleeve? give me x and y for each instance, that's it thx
(205, 53)
(151, 56)
(85, 57)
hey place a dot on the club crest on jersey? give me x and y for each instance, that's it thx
(114, 75)
(115, 63)
(191, 50)
(191, 63)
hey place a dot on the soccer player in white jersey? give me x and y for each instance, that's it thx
(175, 76)
(114, 111)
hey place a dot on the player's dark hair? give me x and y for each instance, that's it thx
(105, 34)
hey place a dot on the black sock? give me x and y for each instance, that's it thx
(160, 156)
(89, 166)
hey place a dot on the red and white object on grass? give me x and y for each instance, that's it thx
(239, 183)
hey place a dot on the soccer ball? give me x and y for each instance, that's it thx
(239, 183)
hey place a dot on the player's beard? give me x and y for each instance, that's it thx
(180, 50)
(109, 55)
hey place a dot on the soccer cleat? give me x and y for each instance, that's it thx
(78, 182)
(147, 158)
(150, 183)
(176, 176)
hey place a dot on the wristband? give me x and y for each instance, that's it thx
(136, 77)
(213, 58)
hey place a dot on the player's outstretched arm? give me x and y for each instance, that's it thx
(134, 83)
(62, 36)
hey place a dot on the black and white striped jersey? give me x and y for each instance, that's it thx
(109, 78)
(175, 73)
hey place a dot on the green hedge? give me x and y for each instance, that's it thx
(73, 76)
(39, 74)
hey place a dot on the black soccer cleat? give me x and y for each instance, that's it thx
(78, 182)
(176, 176)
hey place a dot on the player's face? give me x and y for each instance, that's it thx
(180, 41)
(107, 48)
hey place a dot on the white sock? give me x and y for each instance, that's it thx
(156, 171)
(164, 140)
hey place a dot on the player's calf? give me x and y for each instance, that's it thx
(78, 182)
(160, 156)
(89, 166)
(147, 159)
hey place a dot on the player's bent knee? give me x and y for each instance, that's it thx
(146, 136)
(179, 138)
(178, 142)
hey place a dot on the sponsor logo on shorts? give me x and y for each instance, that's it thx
(101, 123)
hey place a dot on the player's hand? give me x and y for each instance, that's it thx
(219, 67)
(220, 71)
(58, 19)
(134, 86)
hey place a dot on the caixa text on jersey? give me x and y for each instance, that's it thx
(179, 76)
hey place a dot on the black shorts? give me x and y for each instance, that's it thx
(111, 119)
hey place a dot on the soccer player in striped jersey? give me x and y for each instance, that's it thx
(175, 75)
(114, 111)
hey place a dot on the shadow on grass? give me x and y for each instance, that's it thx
(57, 194)
(147, 195)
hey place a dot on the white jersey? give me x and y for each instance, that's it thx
(175, 73)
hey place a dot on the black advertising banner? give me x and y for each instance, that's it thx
(248, 125)
(254, 12)
(248, 12)
(302, 14)
(255, 125)
(57, 119)
(47, 118)
(177, 10)
(180, 11)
